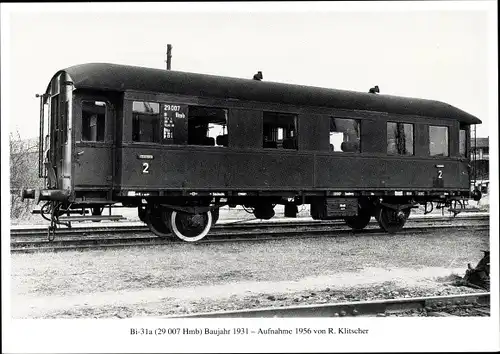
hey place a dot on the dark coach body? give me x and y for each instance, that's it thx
(180, 145)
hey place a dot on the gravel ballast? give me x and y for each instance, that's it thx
(186, 278)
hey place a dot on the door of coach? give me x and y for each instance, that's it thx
(94, 145)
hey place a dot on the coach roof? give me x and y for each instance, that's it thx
(122, 78)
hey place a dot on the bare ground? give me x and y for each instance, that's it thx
(182, 278)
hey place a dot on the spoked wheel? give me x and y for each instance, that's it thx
(156, 219)
(392, 220)
(360, 221)
(190, 227)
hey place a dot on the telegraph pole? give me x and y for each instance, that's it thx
(169, 55)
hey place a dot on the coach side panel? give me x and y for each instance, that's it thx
(211, 169)
(317, 163)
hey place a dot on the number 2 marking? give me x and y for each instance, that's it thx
(145, 167)
(440, 174)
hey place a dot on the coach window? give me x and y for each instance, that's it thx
(93, 120)
(146, 122)
(280, 131)
(400, 138)
(463, 141)
(344, 135)
(438, 141)
(207, 126)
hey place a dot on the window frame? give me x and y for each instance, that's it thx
(295, 117)
(466, 129)
(159, 134)
(358, 121)
(412, 124)
(106, 116)
(162, 121)
(226, 111)
(429, 126)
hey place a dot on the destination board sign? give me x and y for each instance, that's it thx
(173, 115)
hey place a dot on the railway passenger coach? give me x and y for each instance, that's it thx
(180, 145)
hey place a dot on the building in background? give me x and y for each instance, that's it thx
(482, 150)
(480, 156)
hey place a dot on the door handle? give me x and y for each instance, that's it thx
(80, 153)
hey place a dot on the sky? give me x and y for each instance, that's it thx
(435, 54)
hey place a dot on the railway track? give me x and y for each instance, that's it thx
(477, 304)
(80, 238)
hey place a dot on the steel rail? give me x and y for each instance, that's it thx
(39, 231)
(270, 229)
(279, 233)
(357, 308)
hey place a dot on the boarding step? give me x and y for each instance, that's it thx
(76, 211)
(92, 218)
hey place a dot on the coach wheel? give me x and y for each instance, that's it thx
(190, 227)
(392, 220)
(155, 219)
(360, 221)
(142, 213)
(97, 211)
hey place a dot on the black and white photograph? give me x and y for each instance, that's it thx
(250, 177)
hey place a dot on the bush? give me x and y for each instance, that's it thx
(23, 174)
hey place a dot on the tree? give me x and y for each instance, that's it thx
(23, 173)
